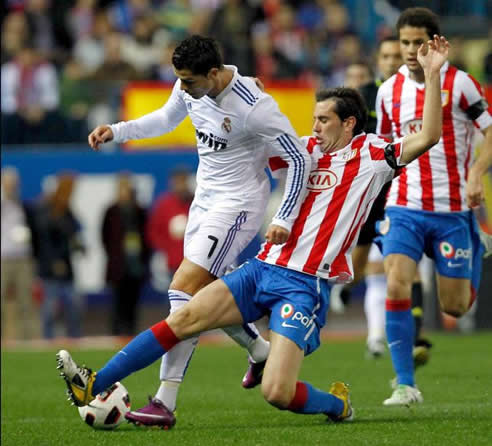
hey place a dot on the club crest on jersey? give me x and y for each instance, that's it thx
(286, 311)
(347, 156)
(321, 179)
(444, 97)
(226, 125)
(412, 127)
(188, 105)
(446, 249)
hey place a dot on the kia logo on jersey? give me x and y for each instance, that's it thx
(414, 126)
(321, 179)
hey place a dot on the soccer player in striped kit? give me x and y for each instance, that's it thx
(291, 281)
(428, 206)
(238, 127)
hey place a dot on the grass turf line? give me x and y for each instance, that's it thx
(213, 409)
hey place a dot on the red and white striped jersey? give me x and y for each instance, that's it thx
(341, 188)
(436, 180)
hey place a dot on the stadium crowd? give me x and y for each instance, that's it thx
(64, 63)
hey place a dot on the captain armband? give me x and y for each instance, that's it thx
(390, 156)
(476, 109)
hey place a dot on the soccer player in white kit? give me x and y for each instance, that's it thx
(238, 127)
(428, 206)
(291, 281)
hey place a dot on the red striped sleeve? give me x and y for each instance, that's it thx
(396, 105)
(425, 167)
(377, 153)
(276, 163)
(311, 144)
(449, 142)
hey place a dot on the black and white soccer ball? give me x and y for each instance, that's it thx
(107, 410)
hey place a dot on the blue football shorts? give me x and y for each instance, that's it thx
(451, 239)
(296, 302)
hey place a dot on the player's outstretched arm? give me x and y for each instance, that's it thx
(474, 187)
(100, 135)
(431, 57)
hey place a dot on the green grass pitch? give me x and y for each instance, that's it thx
(214, 410)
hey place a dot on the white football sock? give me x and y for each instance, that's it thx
(375, 306)
(175, 362)
(248, 336)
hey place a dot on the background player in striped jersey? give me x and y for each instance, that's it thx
(428, 207)
(292, 281)
(367, 259)
(238, 127)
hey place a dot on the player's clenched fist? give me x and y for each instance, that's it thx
(277, 234)
(100, 135)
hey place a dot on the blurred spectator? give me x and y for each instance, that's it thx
(347, 51)
(231, 25)
(114, 68)
(57, 234)
(42, 28)
(89, 49)
(17, 262)
(76, 96)
(179, 19)
(388, 61)
(163, 71)
(457, 53)
(123, 13)
(168, 219)
(144, 46)
(15, 35)
(81, 18)
(288, 39)
(123, 237)
(30, 99)
(325, 38)
(358, 74)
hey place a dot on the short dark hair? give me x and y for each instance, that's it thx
(197, 54)
(349, 102)
(419, 18)
(391, 38)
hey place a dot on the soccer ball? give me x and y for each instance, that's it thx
(107, 410)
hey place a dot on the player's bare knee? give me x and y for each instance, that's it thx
(455, 303)
(185, 321)
(277, 394)
(397, 286)
(456, 308)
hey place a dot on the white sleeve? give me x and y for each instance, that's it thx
(161, 121)
(266, 121)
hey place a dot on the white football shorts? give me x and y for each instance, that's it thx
(215, 237)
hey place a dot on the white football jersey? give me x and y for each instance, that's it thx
(342, 187)
(236, 133)
(436, 180)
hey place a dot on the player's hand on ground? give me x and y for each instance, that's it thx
(100, 135)
(474, 191)
(277, 234)
(433, 54)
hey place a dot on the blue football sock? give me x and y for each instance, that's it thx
(140, 352)
(309, 400)
(400, 332)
